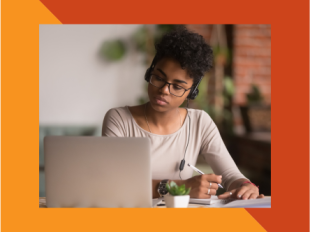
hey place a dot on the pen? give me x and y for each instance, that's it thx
(197, 170)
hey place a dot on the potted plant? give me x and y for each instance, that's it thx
(256, 115)
(178, 196)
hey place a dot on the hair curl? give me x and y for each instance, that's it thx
(189, 49)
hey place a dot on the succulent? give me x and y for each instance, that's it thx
(176, 190)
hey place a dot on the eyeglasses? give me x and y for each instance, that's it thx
(159, 82)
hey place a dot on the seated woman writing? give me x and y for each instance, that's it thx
(179, 135)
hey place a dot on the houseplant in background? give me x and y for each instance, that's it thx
(256, 114)
(178, 196)
(113, 50)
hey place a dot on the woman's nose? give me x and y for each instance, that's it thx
(165, 89)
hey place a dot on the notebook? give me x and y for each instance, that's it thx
(210, 201)
(252, 203)
(233, 203)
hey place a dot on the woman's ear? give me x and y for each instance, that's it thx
(187, 97)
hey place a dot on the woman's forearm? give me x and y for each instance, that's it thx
(236, 184)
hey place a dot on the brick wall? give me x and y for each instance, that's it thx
(252, 60)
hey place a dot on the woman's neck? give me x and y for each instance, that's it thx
(163, 120)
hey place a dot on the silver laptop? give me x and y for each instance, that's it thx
(97, 172)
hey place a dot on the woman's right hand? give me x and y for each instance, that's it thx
(200, 185)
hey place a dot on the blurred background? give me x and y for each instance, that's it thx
(87, 69)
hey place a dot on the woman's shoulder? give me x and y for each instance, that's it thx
(126, 112)
(198, 114)
(115, 110)
(118, 112)
(201, 120)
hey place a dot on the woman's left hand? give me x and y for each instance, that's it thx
(246, 191)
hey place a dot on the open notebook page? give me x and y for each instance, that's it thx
(210, 201)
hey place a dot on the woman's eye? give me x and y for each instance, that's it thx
(176, 87)
(158, 78)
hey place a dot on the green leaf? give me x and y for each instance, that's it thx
(229, 86)
(177, 192)
(188, 191)
(182, 192)
(182, 187)
(173, 184)
(172, 191)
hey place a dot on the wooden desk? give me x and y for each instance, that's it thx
(42, 204)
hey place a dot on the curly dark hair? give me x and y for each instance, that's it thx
(189, 49)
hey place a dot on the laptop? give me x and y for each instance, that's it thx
(87, 172)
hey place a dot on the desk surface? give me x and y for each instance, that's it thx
(42, 204)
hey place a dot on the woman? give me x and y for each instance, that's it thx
(179, 135)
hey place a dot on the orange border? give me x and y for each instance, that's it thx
(20, 114)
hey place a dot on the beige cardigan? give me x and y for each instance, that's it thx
(167, 151)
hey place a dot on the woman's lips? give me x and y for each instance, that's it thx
(160, 102)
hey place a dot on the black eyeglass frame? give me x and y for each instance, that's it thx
(166, 82)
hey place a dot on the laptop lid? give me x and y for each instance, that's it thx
(97, 172)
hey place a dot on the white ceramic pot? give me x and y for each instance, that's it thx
(176, 201)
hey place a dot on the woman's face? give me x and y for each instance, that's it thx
(169, 70)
